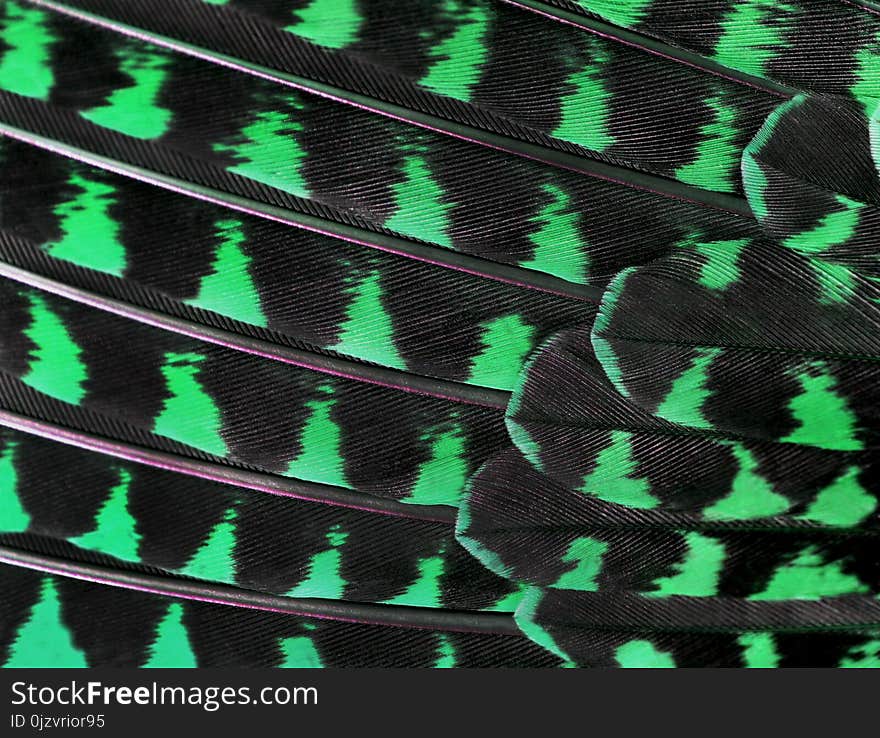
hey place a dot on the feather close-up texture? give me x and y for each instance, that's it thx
(440, 333)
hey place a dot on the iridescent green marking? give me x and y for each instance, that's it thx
(135, 110)
(559, 248)
(625, 13)
(44, 638)
(320, 457)
(720, 269)
(585, 107)
(425, 591)
(458, 60)
(268, 149)
(833, 229)
(752, 35)
(808, 577)
(229, 288)
(368, 329)
(697, 575)
(214, 560)
(866, 656)
(751, 495)
(754, 178)
(488, 558)
(684, 402)
(866, 87)
(90, 234)
(324, 578)
(526, 619)
(585, 554)
(26, 65)
(422, 211)
(331, 23)
(56, 367)
(189, 415)
(874, 131)
(717, 157)
(509, 602)
(300, 653)
(13, 517)
(442, 478)
(601, 346)
(755, 186)
(115, 531)
(836, 283)
(521, 437)
(614, 477)
(843, 503)
(506, 342)
(641, 654)
(759, 650)
(445, 653)
(172, 648)
(823, 417)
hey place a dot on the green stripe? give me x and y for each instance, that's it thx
(368, 329)
(426, 590)
(614, 477)
(717, 160)
(13, 517)
(526, 618)
(833, 229)
(214, 561)
(300, 653)
(172, 648)
(189, 414)
(506, 342)
(229, 288)
(458, 60)
(751, 495)
(698, 573)
(759, 650)
(488, 558)
(331, 23)
(445, 653)
(625, 13)
(559, 247)
(641, 654)
(324, 577)
(720, 269)
(44, 639)
(115, 530)
(601, 346)
(866, 87)
(808, 577)
(684, 402)
(421, 209)
(751, 35)
(585, 106)
(585, 554)
(843, 503)
(55, 367)
(320, 457)
(89, 233)
(268, 149)
(135, 110)
(866, 656)
(823, 417)
(442, 479)
(26, 65)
